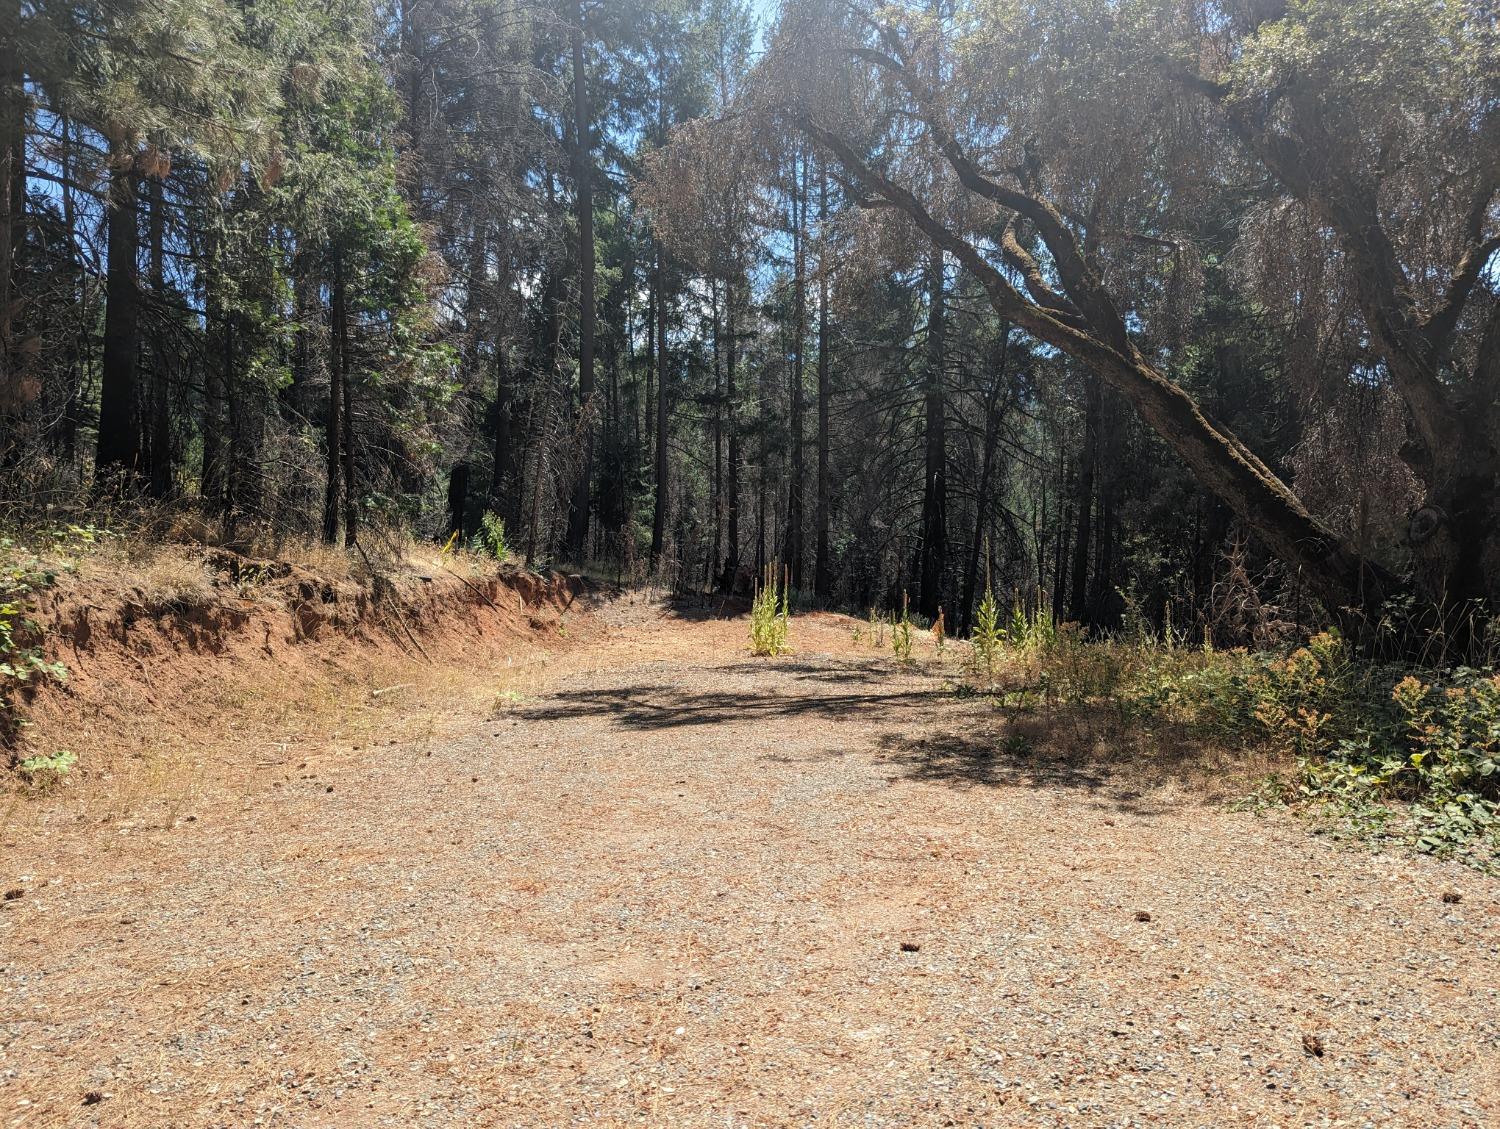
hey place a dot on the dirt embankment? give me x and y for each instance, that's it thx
(268, 645)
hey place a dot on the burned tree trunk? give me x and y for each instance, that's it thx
(934, 551)
(117, 459)
(578, 513)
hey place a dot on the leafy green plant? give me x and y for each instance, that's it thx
(491, 536)
(769, 615)
(42, 772)
(1031, 629)
(1017, 745)
(901, 635)
(22, 659)
(1365, 735)
(987, 638)
(508, 698)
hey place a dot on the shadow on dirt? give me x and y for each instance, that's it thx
(979, 746)
(845, 671)
(696, 609)
(668, 707)
(1123, 783)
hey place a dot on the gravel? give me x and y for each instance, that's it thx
(684, 887)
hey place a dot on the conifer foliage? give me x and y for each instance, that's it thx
(1124, 305)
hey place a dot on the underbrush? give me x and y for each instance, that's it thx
(27, 568)
(769, 615)
(1384, 750)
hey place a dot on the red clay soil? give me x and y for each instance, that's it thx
(675, 885)
(254, 643)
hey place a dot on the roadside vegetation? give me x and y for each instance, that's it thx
(770, 616)
(1392, 752)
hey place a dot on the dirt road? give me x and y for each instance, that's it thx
(678, 886)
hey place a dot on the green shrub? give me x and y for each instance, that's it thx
(491, 536)
(1364, 734)
(901, 636)
(1031, 629)
(987, 637)
(22, 575)
(769, 616)
(44, 773)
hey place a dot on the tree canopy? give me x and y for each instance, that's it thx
(1116, 304)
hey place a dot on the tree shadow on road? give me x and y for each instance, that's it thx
(926, 735)
(669, 707)
(1074, 751)
(696, 609)
(845, 671)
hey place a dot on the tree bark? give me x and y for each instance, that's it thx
(578, 512)
(333, 504)
(732, 486)
(822, 568)
(986, 470)
(62, 437)
(13, 392)
(117, 458)
(351, 494)
(716, 502)
(1084, 501)
(458, 500)
(305, 299)
(762, 485)
(504, 493)
(934, 553)
(794, 508)
(160, 447)
(663, 420)
(646, 429)
(217, 340)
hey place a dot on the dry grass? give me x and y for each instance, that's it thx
(165, 574)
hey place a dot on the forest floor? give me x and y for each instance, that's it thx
(664, 883)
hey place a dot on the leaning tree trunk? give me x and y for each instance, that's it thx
(1454, 448)
(1083, 323)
